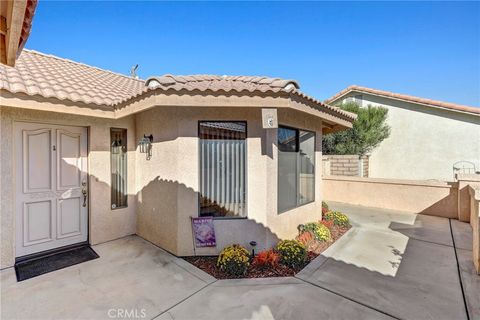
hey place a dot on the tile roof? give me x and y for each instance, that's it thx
(38, 74)
(239, 84)
(221, 83)
(49, 76)
(398, 96)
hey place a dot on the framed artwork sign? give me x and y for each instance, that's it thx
(204, 232)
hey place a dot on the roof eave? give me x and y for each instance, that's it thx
(349, 90)
(157, 97)
(15, 24)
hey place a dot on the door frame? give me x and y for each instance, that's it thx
(15, 125)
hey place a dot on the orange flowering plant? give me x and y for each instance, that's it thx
(267, 258)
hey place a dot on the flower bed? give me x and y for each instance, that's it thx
(209, 265)
(271, 263)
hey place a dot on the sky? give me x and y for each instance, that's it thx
(425, 49)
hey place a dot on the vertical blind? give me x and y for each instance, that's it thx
(222, 169)
(118, 165)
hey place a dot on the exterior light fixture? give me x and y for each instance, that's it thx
(145, 145)
(253, 244)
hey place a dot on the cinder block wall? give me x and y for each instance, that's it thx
(346, 165)
(365, 165)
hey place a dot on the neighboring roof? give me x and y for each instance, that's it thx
(52, 77)
(15, 24)
(397, 96)
(38, 74)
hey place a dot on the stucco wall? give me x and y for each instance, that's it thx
(168, 183)
(474, 193)
(163, 191)
(426, 197)
(424, 142)
(104, 224)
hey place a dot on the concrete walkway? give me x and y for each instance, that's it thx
(402, 264)
(389, 265)
(131, 274)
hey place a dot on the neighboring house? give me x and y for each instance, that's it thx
(91, 155)
(428, 138)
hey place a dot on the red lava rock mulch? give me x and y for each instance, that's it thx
(209, 263)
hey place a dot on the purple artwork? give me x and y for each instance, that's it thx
(204, 232)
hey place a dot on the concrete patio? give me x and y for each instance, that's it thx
(389, 265)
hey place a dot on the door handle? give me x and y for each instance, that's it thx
(84, 192)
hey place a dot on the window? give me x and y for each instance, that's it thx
(223, 169)
(118, 165)
(296, 168)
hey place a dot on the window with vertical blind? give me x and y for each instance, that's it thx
(118, 165)
(223, 168)
(296, 167)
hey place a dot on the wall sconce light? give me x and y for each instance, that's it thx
(145, 145)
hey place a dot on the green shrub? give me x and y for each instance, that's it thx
(234, 260)
(320, 231)
(338, 218)
(292, 253)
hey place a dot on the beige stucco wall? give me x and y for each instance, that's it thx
(424, 142)
(163, 191)
(474, 192)
(464, 205)
(168, 183)
(104, 224)
(426, 197)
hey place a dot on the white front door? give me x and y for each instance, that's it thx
(51, 179)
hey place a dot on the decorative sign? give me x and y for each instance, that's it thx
(204, 232)
(269, 118)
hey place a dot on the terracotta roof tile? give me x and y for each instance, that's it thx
(49, 76)
(398, 96)
(221, 83)
(36, 73)
(238, 84)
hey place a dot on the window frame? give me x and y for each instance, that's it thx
(297, 150)
(125, 130)
(200, 168)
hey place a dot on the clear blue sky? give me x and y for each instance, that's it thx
(428, 49)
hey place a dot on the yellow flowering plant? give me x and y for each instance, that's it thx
(338, 218)
(320, 231)
(234, 260)
(292, 253)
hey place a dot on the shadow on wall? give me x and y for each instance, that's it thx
(425, 197)
(445, 207)
(164, 211)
